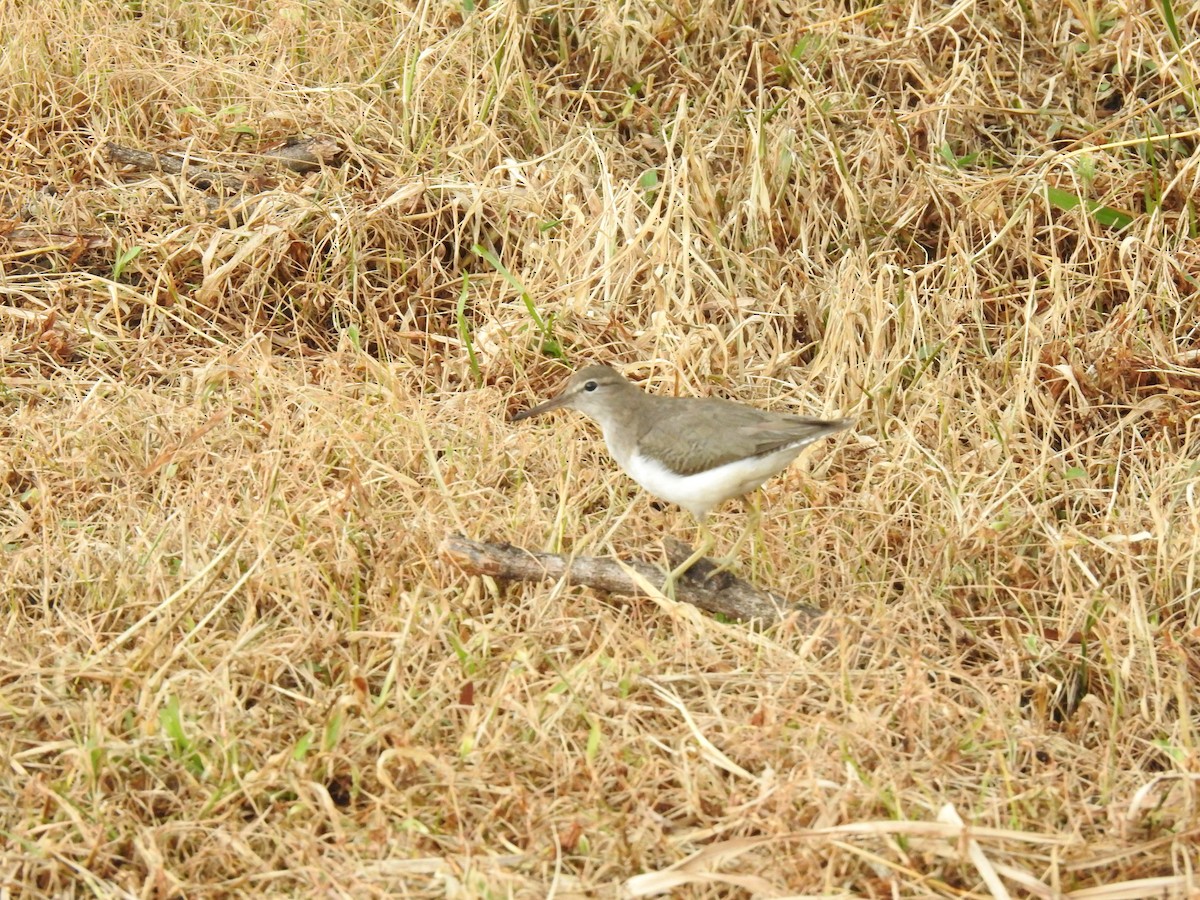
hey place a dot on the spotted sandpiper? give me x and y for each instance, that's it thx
(694, 452)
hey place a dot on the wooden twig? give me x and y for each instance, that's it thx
(305, 154)
(170, 164)
(297, 154)
(34, 241)
(716, 593)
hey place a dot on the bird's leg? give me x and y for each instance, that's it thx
(725, 563)
(752, 523)
(706, 542)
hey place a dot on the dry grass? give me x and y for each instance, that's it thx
(232, 438)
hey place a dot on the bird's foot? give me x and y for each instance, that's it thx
(697, 567)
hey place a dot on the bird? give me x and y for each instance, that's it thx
(694, 452)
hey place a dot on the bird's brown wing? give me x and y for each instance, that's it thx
(690, 436)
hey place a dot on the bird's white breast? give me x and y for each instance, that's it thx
(702, 491)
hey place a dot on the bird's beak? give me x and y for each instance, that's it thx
(557, 402)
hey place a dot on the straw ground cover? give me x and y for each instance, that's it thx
(237, 424)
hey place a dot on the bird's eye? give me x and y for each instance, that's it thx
(590, 386)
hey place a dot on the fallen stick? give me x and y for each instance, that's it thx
(297, 154)
(170, 164)
(32, 241)
(721, 592)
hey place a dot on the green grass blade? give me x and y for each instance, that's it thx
(464, 330)
(1172, 25)
(1105, 215)
(550, 344)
